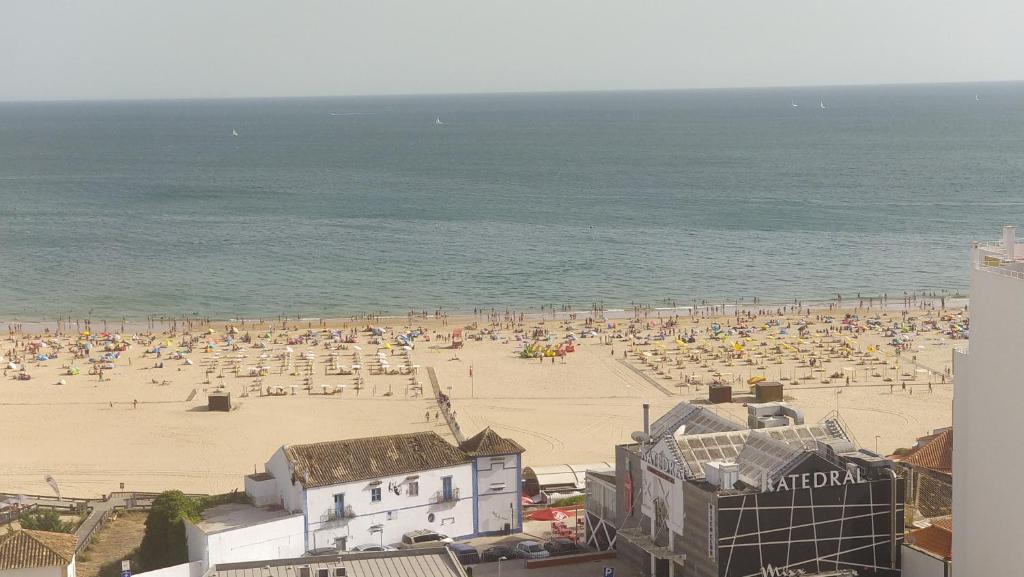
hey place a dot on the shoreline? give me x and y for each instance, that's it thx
(706, 307)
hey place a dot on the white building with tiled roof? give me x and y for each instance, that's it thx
(371, 491)
(26, 553)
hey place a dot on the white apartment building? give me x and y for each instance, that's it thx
(373, 490)
(987, 400)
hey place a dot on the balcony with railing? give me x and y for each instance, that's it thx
(335, 516)
(1005, 258)
(446, 496)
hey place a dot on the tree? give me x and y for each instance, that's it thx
(46, 520)
(163, 543)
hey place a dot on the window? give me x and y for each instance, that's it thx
(446, 488)
(322, 573)
(414, 488)
(375, 495)
(339, 505)
(498, 461)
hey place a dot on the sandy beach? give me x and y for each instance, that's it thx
(145, 424)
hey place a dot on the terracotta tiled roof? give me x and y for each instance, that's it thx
(487, 442)
(934, 540)
(26, 549)
(334, 462)
(943, 523)
(935, 454)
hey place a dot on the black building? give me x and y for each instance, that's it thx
(735, 502)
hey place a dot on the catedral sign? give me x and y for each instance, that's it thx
(815, 480)
(658, 458)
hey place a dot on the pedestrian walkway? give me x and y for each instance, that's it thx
(453, 425)
(646, 377)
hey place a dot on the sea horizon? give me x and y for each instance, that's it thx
(332, 207)
(527, 92)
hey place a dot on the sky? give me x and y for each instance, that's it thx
(128, 49)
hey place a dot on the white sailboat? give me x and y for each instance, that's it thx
(977, 98)
(234, 132)
(794, 104)
(437, 121)
(822, 105)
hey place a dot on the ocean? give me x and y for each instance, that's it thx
(339, 206)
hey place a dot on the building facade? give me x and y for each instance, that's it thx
(986, 401)
(373, 490)
(600, 510)
(927, 551)
(234, 533)
(704, 497)
(928, 469)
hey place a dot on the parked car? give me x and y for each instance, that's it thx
(423, 538)
(466, 554)
(531, 550)
(561, 546)
(371, 547)
(497, 552)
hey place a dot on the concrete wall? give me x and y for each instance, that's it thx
(498, 493)
(263, 492)
(288, 493)
(987, 402)
(279, 539)
(190, 569)
(394, 514)
(920, 564)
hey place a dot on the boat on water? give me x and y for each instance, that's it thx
(234, 132)
(437, 121)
